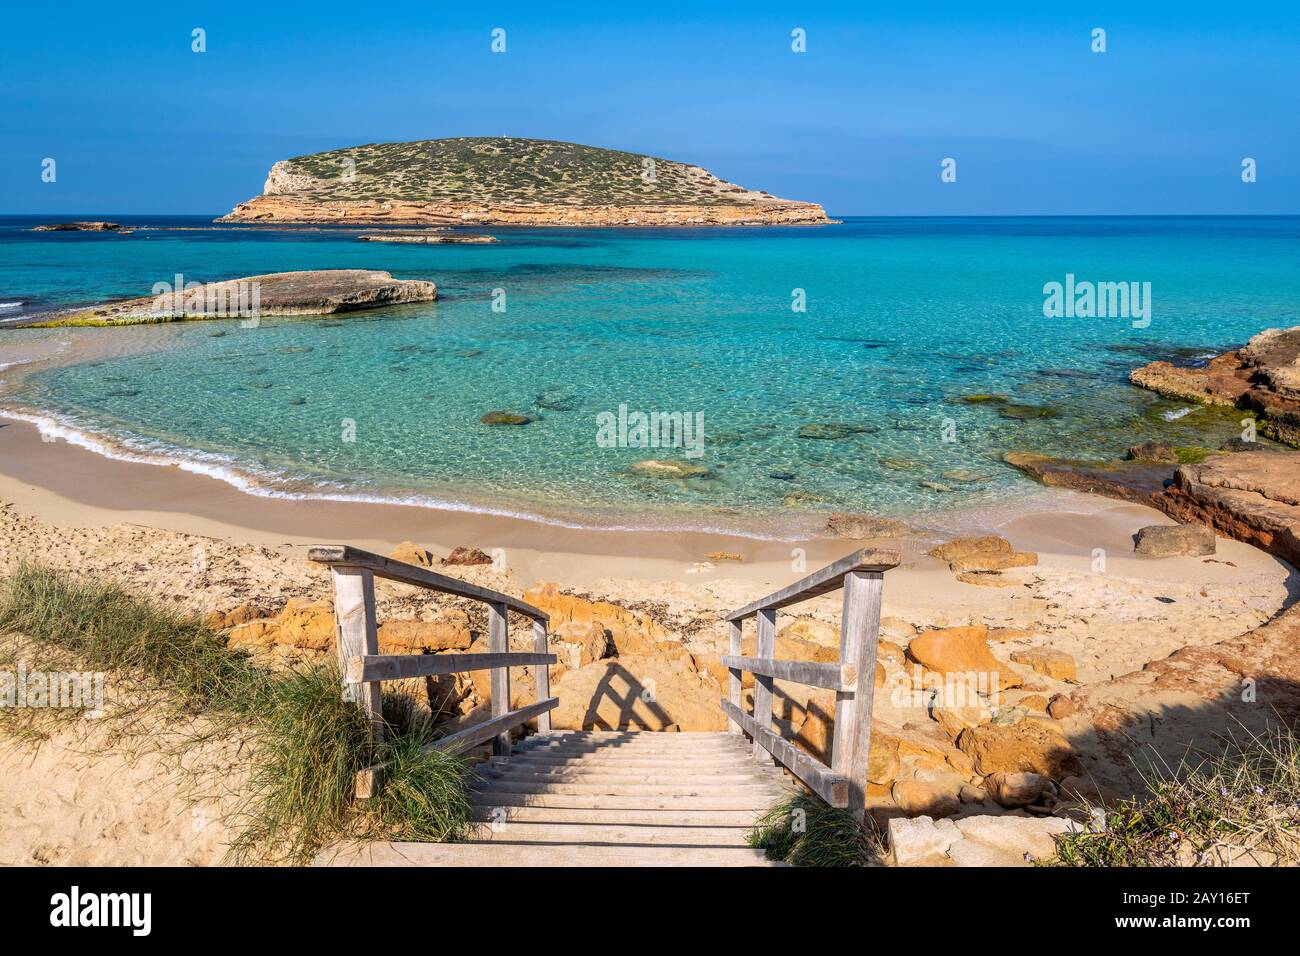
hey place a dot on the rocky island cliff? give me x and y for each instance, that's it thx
(508, 181)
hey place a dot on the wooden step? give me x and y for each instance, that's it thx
(664, 818)
(524, 854)
(756, 791)
(580, 801)
(625, 764)
(670, 742)
(616, 777)
(633, 738)
(646, 755)
(592, 833)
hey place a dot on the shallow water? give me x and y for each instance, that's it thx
(903, 319)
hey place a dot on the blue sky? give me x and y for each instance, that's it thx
(1038, 123)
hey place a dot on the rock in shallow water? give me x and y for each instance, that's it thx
(833, 431)
(660, 468)
(314, 292)
(505, 418)
(860, 527)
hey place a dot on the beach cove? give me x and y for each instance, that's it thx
(846, 406)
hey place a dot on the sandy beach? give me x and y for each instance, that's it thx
(203, 545)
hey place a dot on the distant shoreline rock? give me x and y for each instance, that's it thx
(83, 227)
(317, 292)
(429, 238)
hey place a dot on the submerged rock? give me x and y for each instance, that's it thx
(557, 401)
(842, 524)
(833, 431)
(1136, 481)
(966, 475)
(661, 468)
(505, 418)
(1153, 451)
(1022, 413)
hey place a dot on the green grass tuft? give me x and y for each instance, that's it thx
(108, 628)
(423, 797)
(309, 742)
(310, 745)
(804, 831)
(1242, 799)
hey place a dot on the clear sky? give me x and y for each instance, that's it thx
(1038, 123)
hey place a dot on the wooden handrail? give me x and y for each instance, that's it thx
(404, 666)
(334, 555)
(820, 582)
(353, 572)
(829, 676)
(861, 576)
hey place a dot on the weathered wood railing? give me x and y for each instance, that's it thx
(861, 575)
(363, 667)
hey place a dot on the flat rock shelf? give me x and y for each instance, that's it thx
(309, 292)
(604, 798)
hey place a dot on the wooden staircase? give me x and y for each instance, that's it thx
(615, 798)
(596, 798)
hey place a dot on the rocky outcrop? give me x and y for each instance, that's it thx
(1167, 541)
(860, 527)
(975, 841)
(317, 292)
(508, 181)
(304, 209)
(981, 560)
(1254, 498)
(429, 238)
(81, 227)
(1032, 745)
(1137, 481)
(962, 651)
(573, 616)
(1263, 377)
(637, 692)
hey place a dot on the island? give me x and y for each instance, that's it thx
(508, 181)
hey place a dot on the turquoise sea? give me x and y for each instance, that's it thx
(903, 318)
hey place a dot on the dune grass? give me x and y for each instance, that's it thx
(309, 742)
(104, 626)
(804, 831)
(1240, 800)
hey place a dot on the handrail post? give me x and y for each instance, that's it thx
(859, 640)
(499, 643)
(356, 634)
(765, 648)
(542, 674)
(734, 684)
